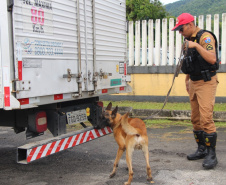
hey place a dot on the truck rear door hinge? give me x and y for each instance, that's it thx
(24, 85)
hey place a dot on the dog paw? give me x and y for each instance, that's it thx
(126, 183)
(112, 175)
(149, 179)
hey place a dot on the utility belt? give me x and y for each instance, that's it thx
(197, 67)
(205, 75)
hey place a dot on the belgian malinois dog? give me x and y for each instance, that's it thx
(130, 134)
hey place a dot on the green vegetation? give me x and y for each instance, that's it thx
(163, 123)
(197, 7)
(154, 9)
(144, 10)
(155, 105)
(167, 123)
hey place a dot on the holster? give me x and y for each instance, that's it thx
(206, 75)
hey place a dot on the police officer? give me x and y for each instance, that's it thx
(200, 67)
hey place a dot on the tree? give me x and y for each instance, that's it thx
(144, 10)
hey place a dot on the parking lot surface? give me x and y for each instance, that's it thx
(92, 162)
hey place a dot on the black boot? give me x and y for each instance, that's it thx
(201, 152)
(210, 160)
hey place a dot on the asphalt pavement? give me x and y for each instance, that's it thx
(92, 162)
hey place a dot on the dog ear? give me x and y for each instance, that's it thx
(114, 112)
(109, 106)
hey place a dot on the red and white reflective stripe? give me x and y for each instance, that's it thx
(7, 96)
(125, 69)
(58, 96)
(104, 91)
(24, 101)
(121, 88)
(6, 82)
(65, 143)
(61, 96)
(20, 64)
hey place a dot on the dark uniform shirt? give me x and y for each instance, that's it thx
(207, 41)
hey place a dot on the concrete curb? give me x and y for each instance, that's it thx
(167, 114)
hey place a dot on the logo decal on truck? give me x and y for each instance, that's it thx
(37, 16)
(115, 82)
(38, 47)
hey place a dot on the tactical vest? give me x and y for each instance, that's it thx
(196, 66)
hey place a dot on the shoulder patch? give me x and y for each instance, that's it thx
(207, 39)
(206, 36)
(209, 47)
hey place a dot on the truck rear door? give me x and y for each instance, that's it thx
(46, 47)
(111, 42)
(70, 46)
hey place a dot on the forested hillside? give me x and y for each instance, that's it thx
(197, 7)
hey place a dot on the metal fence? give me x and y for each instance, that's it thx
(156, 46)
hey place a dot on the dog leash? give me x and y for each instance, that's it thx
(183, 54)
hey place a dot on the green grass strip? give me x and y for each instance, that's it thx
(156, 105)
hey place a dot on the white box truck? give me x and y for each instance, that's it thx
(56, 59)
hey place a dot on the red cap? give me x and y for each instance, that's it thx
(182, 19)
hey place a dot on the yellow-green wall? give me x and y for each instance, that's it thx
(159, 84)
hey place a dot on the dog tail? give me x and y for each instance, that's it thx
(128, 129)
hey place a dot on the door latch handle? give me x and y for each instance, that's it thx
(69, 76)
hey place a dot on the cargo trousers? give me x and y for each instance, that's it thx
(202, 99)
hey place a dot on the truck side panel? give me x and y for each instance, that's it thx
(8, 101)
(1, 94)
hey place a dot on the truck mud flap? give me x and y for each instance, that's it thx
(37, 150)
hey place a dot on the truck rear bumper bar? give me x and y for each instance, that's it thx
(37, 150)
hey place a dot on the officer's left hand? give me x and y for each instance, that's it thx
(191, 44)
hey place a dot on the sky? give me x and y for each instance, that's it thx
(164, 2)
